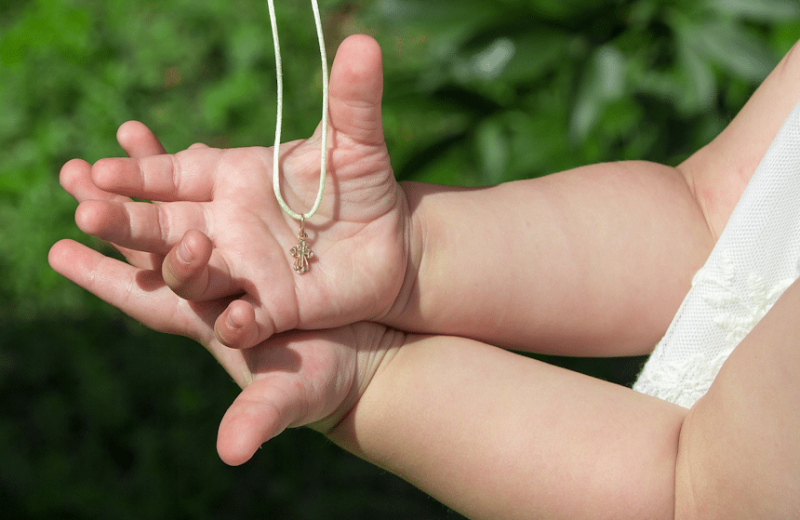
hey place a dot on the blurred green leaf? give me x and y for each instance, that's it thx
(488, 63)
(783, 36)
(699, 85)
(763, 10)
(49, 25)
(491, 141)
(602, 83)
(423, 13)
(736, 50)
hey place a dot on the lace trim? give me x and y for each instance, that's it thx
(681, 383)
(738, 312)
(735, 308)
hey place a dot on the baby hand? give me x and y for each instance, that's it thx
(217, 222)
(291, 379)
(302, 378)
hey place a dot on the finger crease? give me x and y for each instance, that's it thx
(163, 224)
(176, 176)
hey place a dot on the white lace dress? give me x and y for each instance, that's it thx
(755, 260)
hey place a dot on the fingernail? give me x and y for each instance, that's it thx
(184, 255)
(231, 322)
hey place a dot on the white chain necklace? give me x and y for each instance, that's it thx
(301, 252)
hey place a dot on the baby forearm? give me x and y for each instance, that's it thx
(557, 264)
(496, 435)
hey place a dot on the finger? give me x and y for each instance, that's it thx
(262, 411)
(140, 294)
(138, 141)
(356, 89)
(237, 327)
(187, 175)
(246, 323)
(75, 178)
(185, 268)
(141, 226)
(188, 271)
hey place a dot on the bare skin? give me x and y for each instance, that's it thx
(486, 431)
(395, 254)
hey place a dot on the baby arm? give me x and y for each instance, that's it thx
(422, 258)
(590, 261)
(594, 260)
(739, 454)
(488, 432)
(496, 435)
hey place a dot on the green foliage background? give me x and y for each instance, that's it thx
(101, 418)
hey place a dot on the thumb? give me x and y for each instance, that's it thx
(356, 88)
(261, 411)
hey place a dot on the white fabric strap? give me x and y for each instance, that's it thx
(279, 119)
(755, 260)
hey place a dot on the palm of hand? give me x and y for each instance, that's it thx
(359, 234)
(360, 245)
